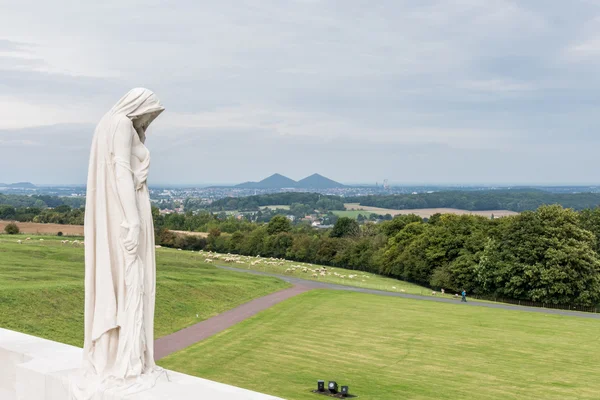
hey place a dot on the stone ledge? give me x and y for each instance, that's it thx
(38, 369)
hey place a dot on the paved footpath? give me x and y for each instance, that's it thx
(470, 303)
(202, 330)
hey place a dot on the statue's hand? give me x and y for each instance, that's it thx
(132, 239)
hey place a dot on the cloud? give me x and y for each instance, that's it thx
(455, 82)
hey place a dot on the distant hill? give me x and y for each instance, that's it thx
(316, 181)
(275, 181)
(278, 181)
(21, 185)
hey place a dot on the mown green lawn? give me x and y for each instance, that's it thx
(391, 348)
(41, 288)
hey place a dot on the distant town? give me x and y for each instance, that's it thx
(171, 199)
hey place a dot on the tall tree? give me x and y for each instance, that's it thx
(345, 227)
(544, 256)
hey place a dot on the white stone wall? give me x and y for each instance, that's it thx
(32, 368)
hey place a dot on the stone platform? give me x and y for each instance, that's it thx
(32, 368)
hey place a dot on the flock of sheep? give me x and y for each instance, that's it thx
(316, 272)
(72, 242)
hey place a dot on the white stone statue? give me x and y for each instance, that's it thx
(120, 268)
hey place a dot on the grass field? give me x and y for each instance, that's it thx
(392, 348)
(335, 275)
(281, 207)
(354, 213)
(353, 209)
(41, 289)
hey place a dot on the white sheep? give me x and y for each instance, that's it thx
(19, 241)
(28, 238)
(433, 293)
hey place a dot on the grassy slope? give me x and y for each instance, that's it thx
(41, 289)
(363, 279)
(390, 349)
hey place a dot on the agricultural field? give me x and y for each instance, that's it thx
(41, 288)
(393, 348)
(353, 209)
(33, 228)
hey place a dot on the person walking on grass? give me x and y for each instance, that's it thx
(464, 296)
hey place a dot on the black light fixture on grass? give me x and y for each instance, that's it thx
(333, 387)
(345, 391)
(321, 386)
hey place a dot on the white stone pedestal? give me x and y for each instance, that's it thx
(32, 368)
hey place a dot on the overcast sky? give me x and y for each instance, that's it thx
(448, 91)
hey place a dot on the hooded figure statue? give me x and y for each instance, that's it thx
(120, 267)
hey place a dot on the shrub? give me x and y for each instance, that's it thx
(59, 233)
(11, 229)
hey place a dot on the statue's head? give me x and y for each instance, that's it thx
(141, 106)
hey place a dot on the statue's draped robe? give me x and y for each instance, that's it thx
(119, 284)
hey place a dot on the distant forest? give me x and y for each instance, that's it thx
(517, 200)
(40, 201)
(314, 201)
(513, 200)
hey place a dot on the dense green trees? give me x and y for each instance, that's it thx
(11, 229)
(345, 227)
(514, 200)
(40, 201)
(548, 255)
(310, 202)
(544, 256)
(279, 224)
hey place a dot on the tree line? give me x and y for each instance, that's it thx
(514, 200)
(62, 214)
(311, 201)
(39, 201)
(517, 200)
(549, 255)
